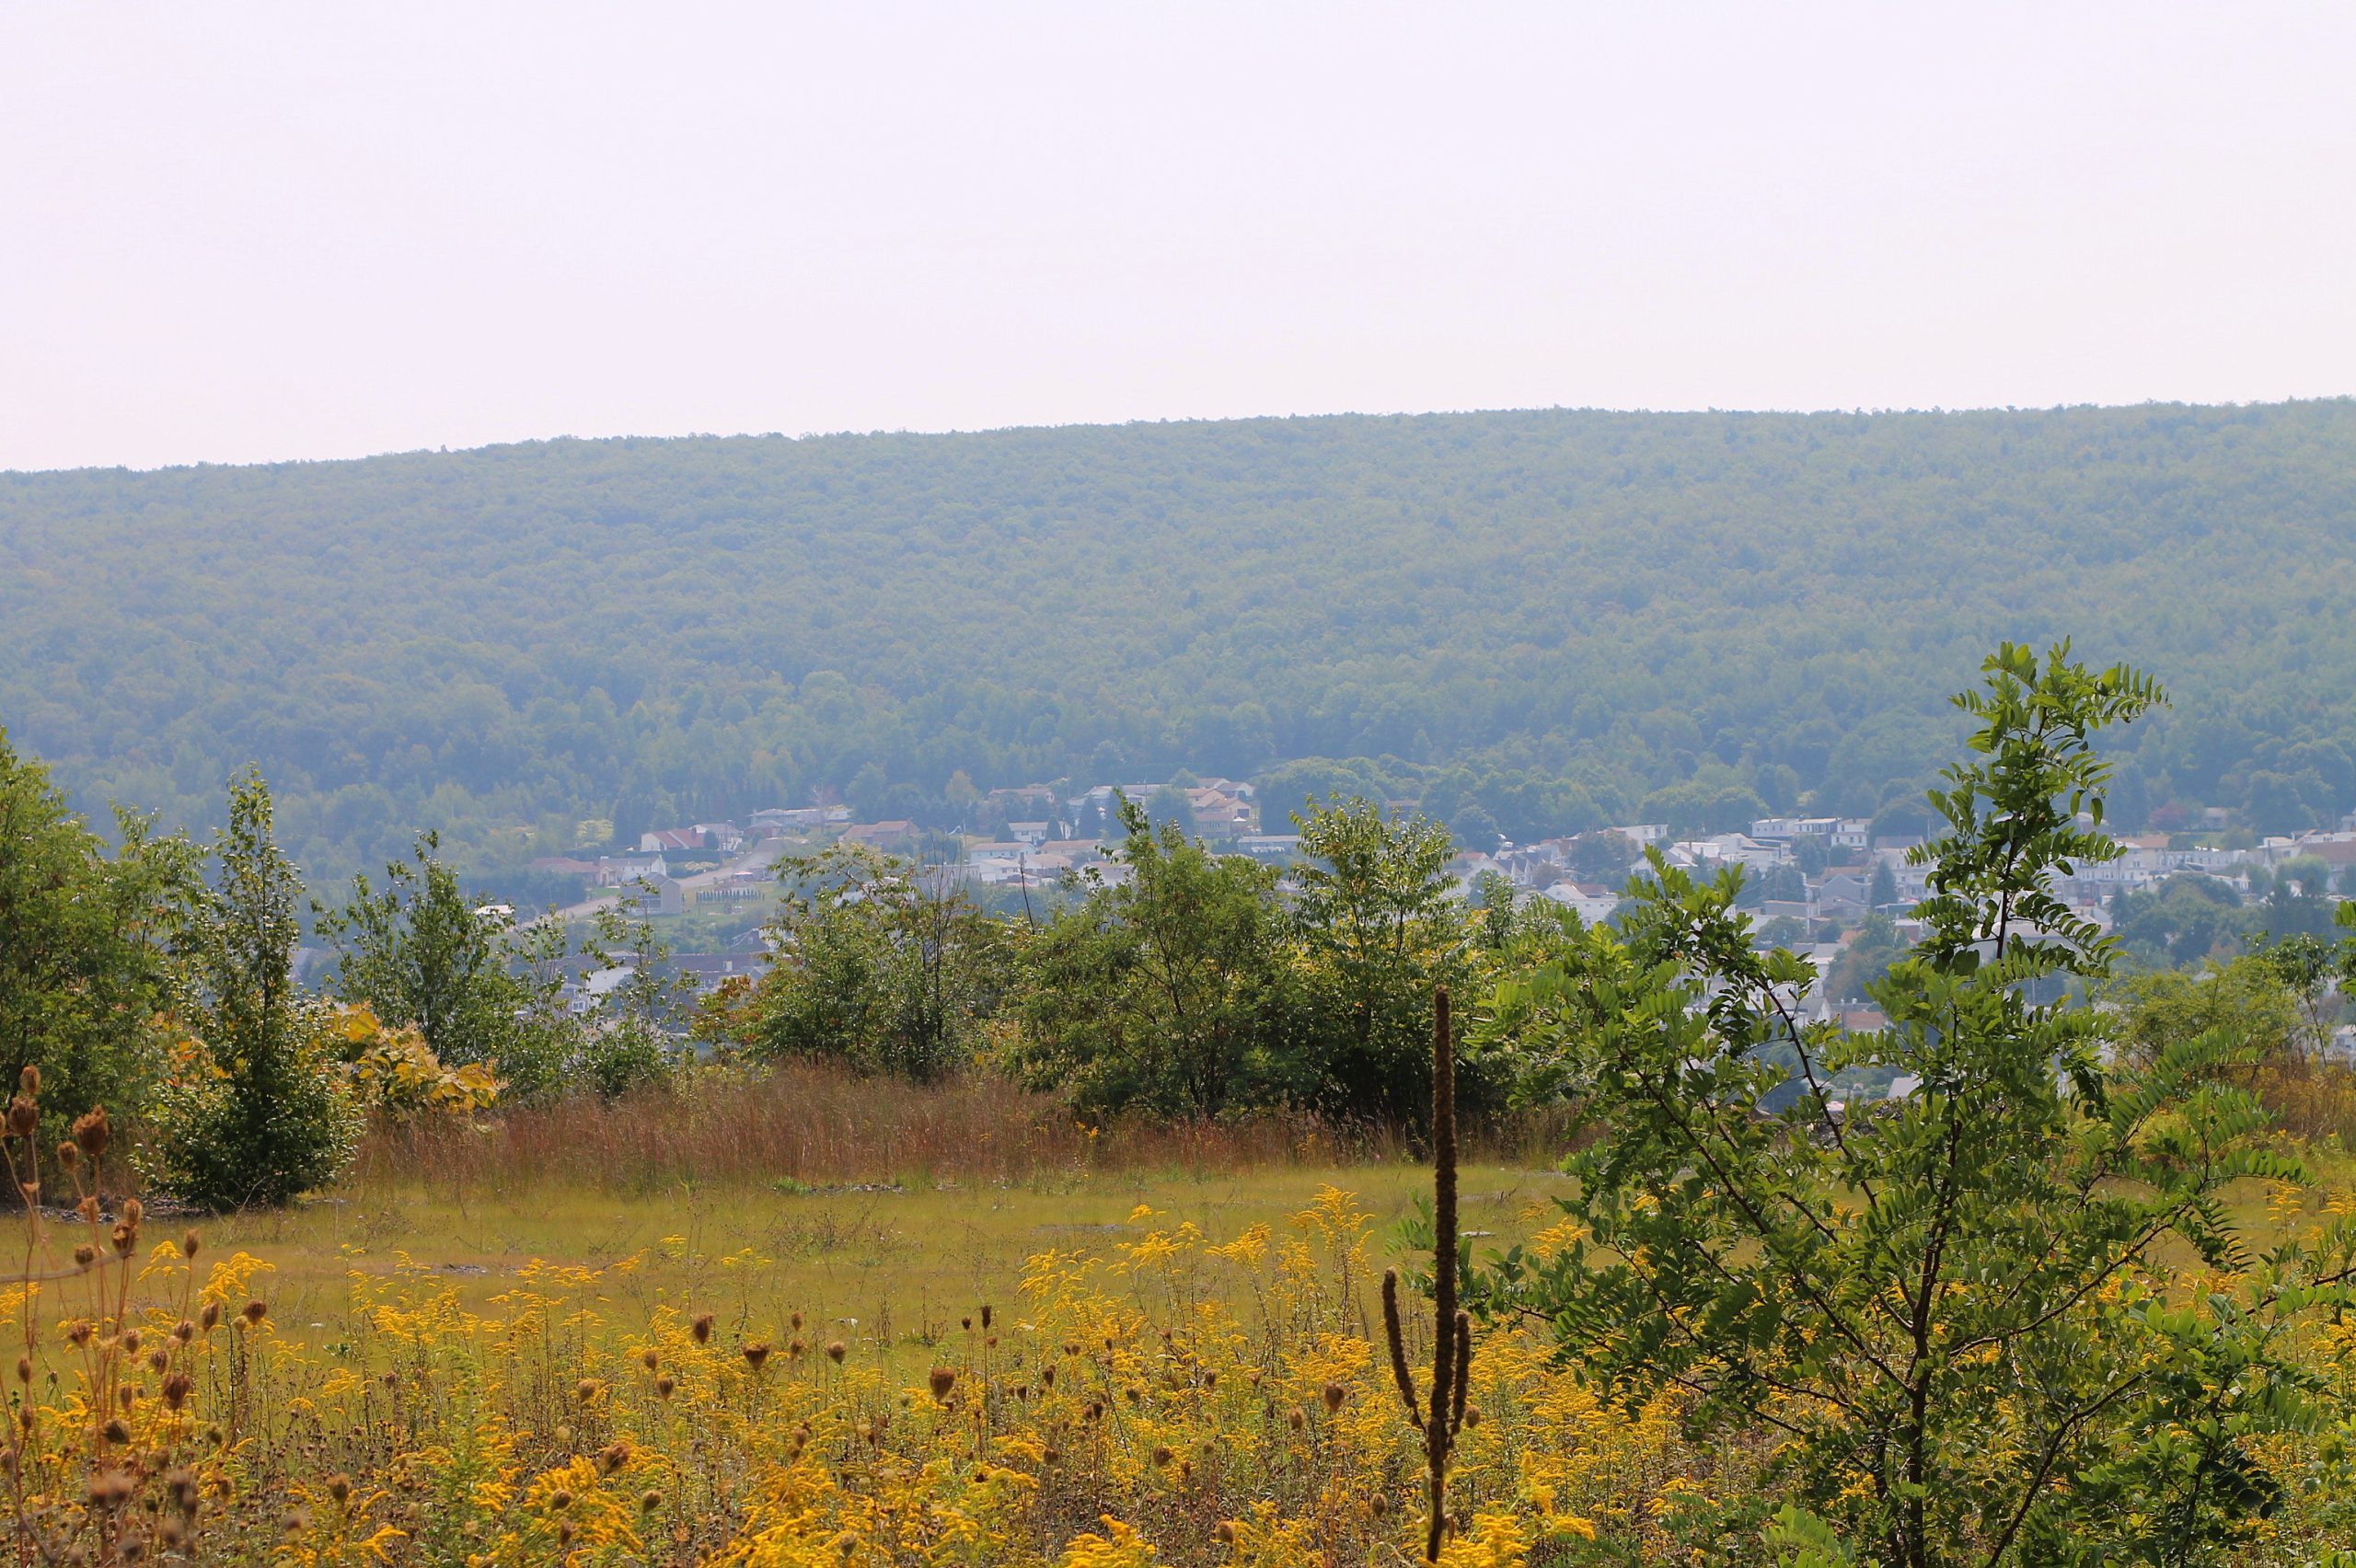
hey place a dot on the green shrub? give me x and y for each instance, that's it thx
(259, 1110)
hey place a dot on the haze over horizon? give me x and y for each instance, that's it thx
(260, 232)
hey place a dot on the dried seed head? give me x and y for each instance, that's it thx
(176, 1389)
(255, 1311)
(559, 1500)
(157, 1361)
(183, 1330)
(134, 1211)
(651, 1501)
(24, 1118)
(85, 1255)
(755, 1354)
(966, 1325)
(1296, 1418)
(1162, 1454)
(836, 1351)
(91, 1131)
(28, 1080)
(1472, 1415)
(340, 1488)
(1224, 1532)
(1047, 1374)
(612, 1457)
(795, 1349)
(68, 1155)
(1378, 1505)
(664, 1386)
(24, 1369)
(1335, 1395)
(586, 1389)
(796, 1324)
(130, 1341)
(648, 1359)
(211, 1316)
(189, 1243)
(565, 1531)
(943, 1379)
(701, 1328)
(986, 1314)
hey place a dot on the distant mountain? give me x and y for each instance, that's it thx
(1541, 620)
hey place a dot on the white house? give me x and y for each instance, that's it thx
(1589, 901)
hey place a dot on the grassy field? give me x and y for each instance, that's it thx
(808, 1321)
(887, 1264)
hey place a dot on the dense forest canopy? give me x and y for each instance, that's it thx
(1553, 619)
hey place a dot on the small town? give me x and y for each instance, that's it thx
(1814, 884)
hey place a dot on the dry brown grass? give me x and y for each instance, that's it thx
(2311, 1100)
(822, 1126)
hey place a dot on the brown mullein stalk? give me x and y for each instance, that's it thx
(1451, 1328)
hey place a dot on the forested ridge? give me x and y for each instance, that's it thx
(1564, 617)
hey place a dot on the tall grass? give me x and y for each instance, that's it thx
(824, 1125)
(2311, 1100)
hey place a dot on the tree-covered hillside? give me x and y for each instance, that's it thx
(1551, 618)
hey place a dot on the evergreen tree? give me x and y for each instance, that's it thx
(263, 1114)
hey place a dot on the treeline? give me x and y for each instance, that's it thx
(149, 995)
(1531, 622)
(1184, 984)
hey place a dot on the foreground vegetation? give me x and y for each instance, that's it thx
(449, 1366)
(1092, 1368)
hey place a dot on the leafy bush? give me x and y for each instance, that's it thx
(86, 964)
(881, 964)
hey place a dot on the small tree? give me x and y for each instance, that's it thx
(1953, 1317)
(633, 1043)
(419, 952)
(261, 1111)
(880, 962)
(1379, 930)
(1167, 990)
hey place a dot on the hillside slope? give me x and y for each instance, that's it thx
(1578, 608)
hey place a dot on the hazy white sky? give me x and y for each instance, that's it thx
(242, 232)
